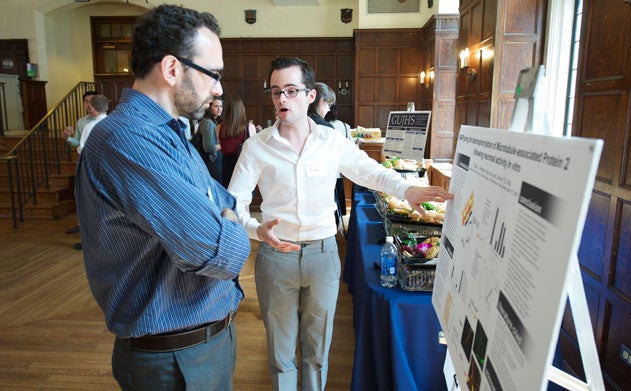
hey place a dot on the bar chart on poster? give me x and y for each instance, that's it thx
(498, 235)
(509, 237)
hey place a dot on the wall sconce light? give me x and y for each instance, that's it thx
(431, 76)
(464, 65)
(421, 78)
(343, 87)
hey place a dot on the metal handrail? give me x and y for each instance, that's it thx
(4, 118)
(41, 151)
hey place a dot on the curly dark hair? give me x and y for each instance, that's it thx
(166, 29)
(308, 76)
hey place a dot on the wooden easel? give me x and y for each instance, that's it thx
(529, 117)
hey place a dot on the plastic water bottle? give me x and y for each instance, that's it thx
(389, 257)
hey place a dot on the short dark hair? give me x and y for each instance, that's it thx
(164, 30)
(308, 76)
(331, 115)
(88, 93)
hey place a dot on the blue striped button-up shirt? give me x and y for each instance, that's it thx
(158, 255)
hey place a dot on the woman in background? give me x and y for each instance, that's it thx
(318, 111)
(216, 116)
(340, 126)
(340, 194)
(325, 98)
(206, 141)
(233, 131)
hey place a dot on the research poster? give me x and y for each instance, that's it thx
(406, 134)
(508, 236)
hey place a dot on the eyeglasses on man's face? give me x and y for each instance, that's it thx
(289, 92)
(201, 69)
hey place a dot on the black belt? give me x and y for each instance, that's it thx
(179, 340)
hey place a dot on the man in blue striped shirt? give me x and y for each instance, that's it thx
(162, 243)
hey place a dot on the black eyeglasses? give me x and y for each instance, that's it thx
(290, 92)
(203, 70)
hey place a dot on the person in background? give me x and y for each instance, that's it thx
(318, 109)
(166, 248)
(100, 105)
(295, 164)
(340, 126)
(233, 131)
(205, 141)
(216, 110)
(325, 98)
(216, 115)
(340, 194)
(73, 135)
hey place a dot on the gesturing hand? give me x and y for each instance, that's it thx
(265, 233)
(69, 131)
(417, 195)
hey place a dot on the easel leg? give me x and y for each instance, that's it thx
(585, 336)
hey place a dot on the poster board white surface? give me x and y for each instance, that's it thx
(508, 238)
(530, 113)
(406, 134)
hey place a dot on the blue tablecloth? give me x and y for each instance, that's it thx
(396, 331)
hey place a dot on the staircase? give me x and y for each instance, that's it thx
(51, 203)
(37, 169)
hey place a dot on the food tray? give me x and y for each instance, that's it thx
(382, 208)
(398, 228)
(416, 277)
(417, 258)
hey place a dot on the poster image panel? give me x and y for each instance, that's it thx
(515, 222)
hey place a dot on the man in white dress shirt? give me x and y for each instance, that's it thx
(295, 164)
(100, 105)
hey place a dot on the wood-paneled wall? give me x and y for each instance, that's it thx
(387, 68)
(473, 94)
(518, 44)
(503, 38)
(443, 86)
(603, 110)
(247, 63)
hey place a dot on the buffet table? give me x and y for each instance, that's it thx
(396, 331)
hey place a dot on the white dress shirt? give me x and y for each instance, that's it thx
(87, 130)
(298, 189)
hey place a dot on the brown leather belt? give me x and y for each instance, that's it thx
(179, 340)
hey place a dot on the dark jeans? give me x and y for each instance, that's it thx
(207, 366)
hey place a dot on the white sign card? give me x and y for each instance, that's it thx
(406, 134)
(508, 237)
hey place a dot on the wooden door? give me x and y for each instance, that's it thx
(111, 48)
(603, 110)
